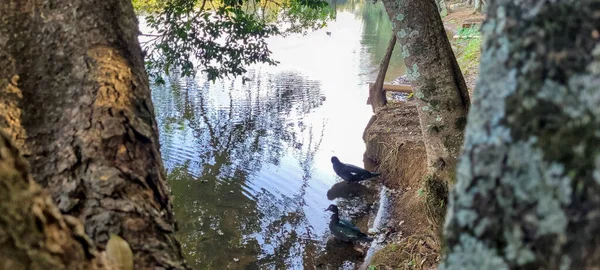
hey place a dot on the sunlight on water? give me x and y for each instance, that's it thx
(249, 164)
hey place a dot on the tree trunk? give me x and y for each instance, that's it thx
(33, 233)
(91, 136)
(479, 6)
(377, 97)
(442, 8)
(528, 190)
(438, 84)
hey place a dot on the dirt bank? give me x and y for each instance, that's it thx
(394, 141)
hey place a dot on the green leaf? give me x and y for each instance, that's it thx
(119, 253)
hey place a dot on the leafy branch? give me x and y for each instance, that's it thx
(221, 38)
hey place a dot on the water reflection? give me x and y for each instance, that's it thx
(339, 255)
(346, 190)
(223, 147)
(376, 34)
(249, 165)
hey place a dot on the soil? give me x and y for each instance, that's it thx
(462, 15)
(395, 142)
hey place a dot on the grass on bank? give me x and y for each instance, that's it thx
(468, 48)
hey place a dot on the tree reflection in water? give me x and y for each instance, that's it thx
(219, 143)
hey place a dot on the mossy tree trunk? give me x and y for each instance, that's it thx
(81, 106)
(528, 184)
(438, 84)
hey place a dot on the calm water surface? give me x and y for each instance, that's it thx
(249, 164)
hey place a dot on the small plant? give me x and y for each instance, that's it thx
(372, 267)
(471, 50)
(469, 32)
(420, 192)
(394, 247)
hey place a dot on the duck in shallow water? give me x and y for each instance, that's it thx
(343, 229)
(351, 173)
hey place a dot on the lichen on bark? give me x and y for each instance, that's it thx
(526, 194)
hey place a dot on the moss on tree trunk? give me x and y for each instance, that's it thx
(528, 184)
(88, 121)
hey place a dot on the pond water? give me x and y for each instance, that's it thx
(249, 164)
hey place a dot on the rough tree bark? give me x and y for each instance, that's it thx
(33, 232)
(90, 132)
(377, 97)
(528, 188)
(10, 96)
(437, 81)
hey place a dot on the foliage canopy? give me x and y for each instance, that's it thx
(220, 37)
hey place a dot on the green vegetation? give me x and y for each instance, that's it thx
(147, 6)
(469, 48)
(470, 55)
(469, 32)
(220, 38)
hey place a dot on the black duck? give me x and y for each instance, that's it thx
(350, 172)
(343, 229)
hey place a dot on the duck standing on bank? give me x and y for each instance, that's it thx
(344, 230)
(351, 173)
